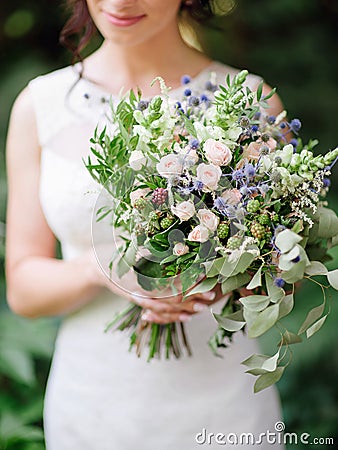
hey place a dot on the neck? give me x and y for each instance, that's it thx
(166, 55)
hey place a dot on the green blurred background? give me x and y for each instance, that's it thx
(294, 45)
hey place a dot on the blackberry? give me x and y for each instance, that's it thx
(264, 219)
(257, 230)
(140, 203)
(253, 206)
(152, 216)
(166, 222)
(274, 217)
(159, 196)
(234, 242)
(222, 230)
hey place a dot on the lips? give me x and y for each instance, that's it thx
(122, 21)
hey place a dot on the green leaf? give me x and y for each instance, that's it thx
(127, 261)
(315, 327)
(17, 364)
(256, 279)
(259, 91)
(286, 240)
(289, 338)
(328, 223)
(232, 322)
(275, 293)
(286, 306)
(266, 363)
(205, 286)
(255, 302)
(235, 282)
(316, 268)
(312, 316)
(332, 278)
(264, 321)
(268, 379)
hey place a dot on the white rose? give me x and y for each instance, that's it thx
(217, 153)
(137, 160)
(208, 219)
(232, 196)
(170, 165)
(199, 234)
(139, 193)
(180, 249)
(209, 175)
(184, 210)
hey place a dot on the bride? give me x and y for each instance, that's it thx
(99, 396)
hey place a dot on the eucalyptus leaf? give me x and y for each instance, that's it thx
(235, 282)
(256, 280)
(316, 268)
(286, 240)
(312, 316)
(232, 322)
(332, 277)
(286, 305)
(328, 223)
(204, 286)
(268, 379)
(315, 327)
(255, 302)
(264, 321)
(275, 293)
(290, 338)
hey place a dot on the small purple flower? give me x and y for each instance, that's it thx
(220, 204)
(295, 125)
(194, 101)
(254, 128)
(257, 115)
(185, 190)
(204, 98)
(294, 142)
(296, 260)
(198, 185)
(279, 282)
(185, 79)
(187, 92)
(283, 125)
(249, 170)
(178, 105)
(271, 120)
(237, 175)
(194, 143)
(209, 86)
(327, 182)
(142, 105)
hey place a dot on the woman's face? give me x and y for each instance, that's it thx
(132, 22)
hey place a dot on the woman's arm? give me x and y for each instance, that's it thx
(37, 283)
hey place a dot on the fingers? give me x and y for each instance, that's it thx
(164, 318)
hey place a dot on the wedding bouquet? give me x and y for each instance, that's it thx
(207, 190)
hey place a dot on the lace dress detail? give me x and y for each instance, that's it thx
(99, 396)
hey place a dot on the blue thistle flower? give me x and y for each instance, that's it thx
(254, 128)
(294, 142)
(185, 79)
(198, 185)
(194, 143)
(327, 182)
(257, 115)
(237, 175)
(194, 101)
(220, 204)
(204, 98)
(283, 125)
(187, 92)
(178, 105)
(271, 120)
(279, 282)
(249, 170)
(209, 86)
(295, 125)
(142, 105)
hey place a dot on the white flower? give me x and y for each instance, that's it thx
(137, 160)
(199, 234)
(135, 195)
(209, 175)
(234, 133)
(232, 196)
(170, 165)
(180, 249)
(184, 210)
(217, 153)
(208, 219)
(202, 133)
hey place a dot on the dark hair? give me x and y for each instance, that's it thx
(80, 27)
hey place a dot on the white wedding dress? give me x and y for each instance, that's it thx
(100, 396)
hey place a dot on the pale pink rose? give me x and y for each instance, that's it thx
(217, 153)
(208, 219)
(170, 165)
(180, 249)
(199, 234)
(135, 195)
(184, 210)
(232, 196)
(209, 175)
(252, 151)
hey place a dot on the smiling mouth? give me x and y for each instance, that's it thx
(123, 21)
